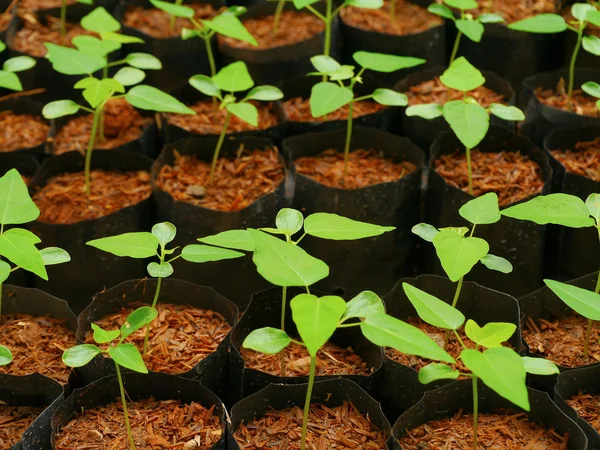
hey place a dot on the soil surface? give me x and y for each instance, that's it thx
(238, 182)
(331, 360)
(31, 38)
(180, 337)
(583, 160)
(365, 168)
(562, 340)
(512, 431)
(155, 425)
(35, 5)
(14, 420)
(157, 23)
(122, 124)
(297, 109)
(511, 175)
(63, 200)
(410, 18)
(433, 91)
(19, 131)
(587, 407)
(583, 104)
(342, 427)
(209, 120)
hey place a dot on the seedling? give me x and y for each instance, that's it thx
(592, 88)
(584, 14)
(89, 57)
(63, 14)
(329, 96)
(569, 211)
(468, 119)
(6, 356)
(8, 75)
(142, 245)
(125, 355)
(318, 318)
(17, 245)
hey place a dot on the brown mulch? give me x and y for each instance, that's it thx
(342, 427)
(433, 91)
(511, 175)
(583, 104)
(331, 360)
(294, 26)
(34, 5)
(562, 340)
(31, 38)
(37, 345)
(410, 18)
(63, 200)
(180, 337)
(297, 109)
(157, 23)
(587, 407)
(18, 131)
(583, 160)
(508, 431)
(5, 20)
(155, 425)
(238, 182)
(513, 10)
(209, 120)
(122, 124)
(366, 167)
(14, 420)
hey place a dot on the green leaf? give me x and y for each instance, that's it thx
(153, 99)
(593, 205)
(6, 356)
(492, 335)
(381, 62)
(365, 4)
(507, 112)
(316, 318)
(559, 209)
(432, 310)
(244, 111)
(69, 61)
(482, 210)
(126, 355)
(237, 239)
(289, 221)
(591, 88)
(265, 94)
(580, 10)
(94, 46)
(363, 305)
(16, 206)
(4, 272)
(80, 355)
(345, 73)
(205, 253)
(100, 21)
(326, 97)
(469, 121)
(162, 270)
(325, 64)
(299, 4)
(591, 44)
(497, 263)
(594, 17)
(18, 246)
(59, 108)
(138, 319)
(173, 9)
(389, 97)
(440, 10)
(229, 25)
(582, 301)
(2, 46)
(101, 91)
(134, 245)
(9, 80)
(269, 341)
(461, 231)
(471, 29)
(121, 38)
(435, 371)
(427, 111)
(129, 76)
(338, 228)
(206, 85)
(19, 64)
(542, 23)
(458, 254)
(234, 77)
(490, 18)
(425, 231)
(165, 232)
(26, 234)
(54, 255)
(461, 4)
(143, 61)
(86, 82)
(103, 336)
(462, 76)
(539, 366)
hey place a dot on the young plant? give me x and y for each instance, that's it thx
(468, 119)
(6, 356)
(593, 89)
(8, 75)
(90, 56)
(584, 14)
(329, 96)
(569, 211)
(63, 14)
(122, 354)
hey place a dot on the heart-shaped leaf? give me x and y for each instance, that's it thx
(469, 121)
(269, 341)
(339, 228)
(16, 206)
(458, 254)
(433, 310)
(492, 335)
(327, 97)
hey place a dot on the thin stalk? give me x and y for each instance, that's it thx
(129, 434)
(455, 48)
(454, 301)
(597, 290)
(470, 171)
(572, 69)
(218, 149)
(311, 382)
(393, 10)
(101, 136)
(475, 411)
(348, 138)
(154, 302)
(172, 21)
(88, 155)
(211, 57)
(328, 20)
(283, 305)
(277, 17)
(63, 18)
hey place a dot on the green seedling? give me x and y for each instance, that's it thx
(122, 354)
(569, 211)
(63, 14)
(329, 96)
(18, 245)
(6, 356)
(142, 245)
(317, 319)
(90, 56)
(224, 85)
(593, 89)
(8, 75)
(468, 119)
(584, 14)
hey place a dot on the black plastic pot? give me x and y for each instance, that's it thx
(447, 400)
(25, 106)
(521, 242)
(330, 393)
(90, 269)
(158, 386)
(375, 263)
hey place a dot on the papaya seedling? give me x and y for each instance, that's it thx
(123, 354)
(63, 14)
(6, 356)
(8, 75)
(593, 89)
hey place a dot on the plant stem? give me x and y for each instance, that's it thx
(597, 290)
(172, 21)
(63, 18)
(311, 382)
(455, 48)
(101, 136)
(328, 20)
(277, 17)
(572, 69)
(283, 305)
(392, 11)
(88, 155)
(129, 434)
(588, 333)
(211, 57)
(348, 139)
(154, 302)
(470, 171)
(475, 411)
(218, 148)
(454, 302)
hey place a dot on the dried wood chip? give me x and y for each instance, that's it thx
(31, 38)
(433, 91)
(157, 23)
(587, 407)
(583, 160)
(297, 109)
(513, 10)
(14, 420)
(583, 104)
(18, 131)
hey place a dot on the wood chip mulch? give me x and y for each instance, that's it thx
(513, 10)
(34, 5)
(331, 360)
(14, 420)
(410, 18)
(562, 340)
(19, 131)
(122, 124)
(180, 337)
(511, 175)
(587, 407)
(366, 167)
(342, 427)
(63, 200)
(157, 23)
(583, 104)
(5, 20)
(238, 182)
(433, 91)
(583, 160)
(509, 431)
(31, 38)
(297, 109)
(155, 425)
(209, 120)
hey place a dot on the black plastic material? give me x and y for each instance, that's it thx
(25, 106)
(90, 269)
(447, 400)
(159, 386)
(521, 242)
(330, 393)
(375, 263)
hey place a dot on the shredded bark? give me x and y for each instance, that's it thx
(409, 18)
(590, 29)
(63, 200)
(155, 425)
(297, 109)
(509, 431)
(19, 131)
(31, 38)
(583, 104)
(331, 360)
(238, 182)
(433, 91)
(35, 5)
(587, 407)
(342, 427)
(366, 167)
(513, 10)
(511, 175)
(14, 420)
(157, 23)
(122, 124)
(583, 160)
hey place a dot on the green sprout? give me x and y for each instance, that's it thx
(6, 356)
(63, 14)
(468, 119)
(592, 88)
(125, 355)
(8, 75)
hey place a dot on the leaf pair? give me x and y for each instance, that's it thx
(8, 74)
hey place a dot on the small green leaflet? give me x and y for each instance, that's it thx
(458, 254)
(363, 305)
(4, 272)
(559, 209)
(236, 239)
(206, 85)
(591, 44)
(542, 23)
(481, 210)
(470, 28)
(440, 10)
(153, 99)
(103, 336)
(289, 221)
(165, 232)
(469, 121)
(128, 356)
(584, 302)
(173, 9)
(100, 21)
(129, 76)
(492, 335)
(497, 263)
(234, 78)
(60, 108)
(16, 206)
(244, 111)
(19, 64)
(381, 62)
(428, 111)
(593, 205)
(335, 227)
(461, 4)
(435, 371)
(138, 319)
(6, 356)
(70, 61)
(510, 113)
(425, 231)
(265, 93)
(462, 76)
(269, 341)
(10, 80)
(18, 246)
(162, 270)
(327, 97)
(80, 355)
(229, 25)
(197, 253)
(539, 366)
(143, 61)
(591, 88)
(433, 310)
(54, 255)
(389, 97)
(133, 245)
